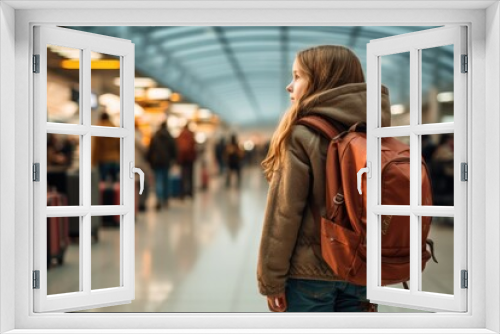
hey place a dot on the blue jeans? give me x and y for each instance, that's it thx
(324, 296)
(187, 169)
(161, 180)
(109, 169)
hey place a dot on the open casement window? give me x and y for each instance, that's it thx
(415, 47)
(71, 201)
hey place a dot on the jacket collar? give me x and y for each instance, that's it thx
(347, 104)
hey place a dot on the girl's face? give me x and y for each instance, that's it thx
(299, 83)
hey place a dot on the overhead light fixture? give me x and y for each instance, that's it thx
(100, 64)
(72, 53)
(140, 94)
(158, 93)
(249, 145)
(186, 110)
(397, 109)
(173, 122)
(175, 132)
(182, 122)
(111, 102)
(193, 126)
(200, 137)
(175, 97)
(138, 110)
(445, 97)
(138, 82)
(204, 114)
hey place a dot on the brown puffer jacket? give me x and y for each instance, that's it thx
(290, 245)
(105, 149)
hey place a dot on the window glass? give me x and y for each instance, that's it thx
(106, 255)
(438, 276)
(395, 75)
(438, 154)
(63, 169)
(105, 86)
(391, 187)
(106, 164)
(63, 84)
(437, 85)
(63, 257)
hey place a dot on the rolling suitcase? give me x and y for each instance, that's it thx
(57, 230)
(174, 186)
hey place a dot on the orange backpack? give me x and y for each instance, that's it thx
(343, 230)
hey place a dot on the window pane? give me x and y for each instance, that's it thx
(106, 256)
(437, 84)
(63, 168)
(106, 163)
(395, 252)
(438, 152)
(395, 188)
(438, 277)
(395, 75)
(105, 87)
(63, 84)
(63, 257)
(96, 221)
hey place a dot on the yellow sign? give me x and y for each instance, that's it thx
(98, 64)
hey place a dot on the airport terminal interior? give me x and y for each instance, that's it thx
(198, 223)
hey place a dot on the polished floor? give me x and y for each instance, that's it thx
(200, 254)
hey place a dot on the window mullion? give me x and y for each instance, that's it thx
(85, 222)
(66, 129)
(418, 159)
(432, 129)
(414, 168)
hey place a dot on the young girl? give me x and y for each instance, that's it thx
(327, 80)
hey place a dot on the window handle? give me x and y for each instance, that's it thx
(368, 171)
(133, 170)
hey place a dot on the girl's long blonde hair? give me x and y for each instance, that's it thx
(325, 67)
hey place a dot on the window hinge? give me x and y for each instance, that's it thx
(36, 279)
(465, 64)
(36, 63)
(36, 172)
(465, 279)
(465, 172)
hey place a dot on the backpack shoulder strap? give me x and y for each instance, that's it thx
(320, 124)
(332, 178)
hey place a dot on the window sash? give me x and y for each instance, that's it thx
(413, 43)
(85, 298)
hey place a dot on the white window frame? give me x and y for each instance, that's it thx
(85, 298)
(414, 43)
(484, 103)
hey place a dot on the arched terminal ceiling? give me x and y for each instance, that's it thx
(240, 73)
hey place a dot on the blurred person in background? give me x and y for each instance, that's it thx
(441, 168)
(161, 154)
(140, 162)
(233, 156)
(186, 146)
(106, 153)
(60, 152)
(220, 148)
(327, 80)
(428, 148)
